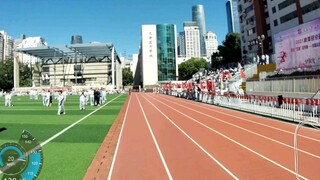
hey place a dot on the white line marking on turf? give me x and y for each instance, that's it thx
(156, 143)
(67, 128)
(119, 139)
(189, 137)
(232, 140)
(244, 129)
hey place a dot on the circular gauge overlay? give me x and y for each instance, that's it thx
(23, 160)
(12, 159)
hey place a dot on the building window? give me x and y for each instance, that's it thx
(45, 69)
(274, 9)
(250, 20)
(310, 7)
(248, 9)
(275, 22)
(251, 31)
(268, 26)
(240, 8)
(288, 17)
(285, 4)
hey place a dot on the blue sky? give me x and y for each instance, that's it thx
(116, 21)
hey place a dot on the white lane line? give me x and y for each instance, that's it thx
(190, 138)
(248, 120)
(244, 129)
(155, 142)
(67, 128)
(232, 140)
(119, 140)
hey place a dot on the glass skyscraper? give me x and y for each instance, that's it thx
(199, 17)
(158, 54)
(166, 52)
(233, 16)
(181, 44)
(76, 39)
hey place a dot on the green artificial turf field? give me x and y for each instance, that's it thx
(69, 155)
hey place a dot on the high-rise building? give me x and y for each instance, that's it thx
(199, 17)
(158, 54)
(167, 55)
(133, 64)
(287, 14)
(211, 43)
(260, 20)
(181, 44)
(233, 16)
(6, 46)
(1, 47)
(76, 39)
(253, 24)
(192, 39)
(17, 44)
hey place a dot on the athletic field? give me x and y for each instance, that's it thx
(69, 141)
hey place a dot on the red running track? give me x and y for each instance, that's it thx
(164, 137)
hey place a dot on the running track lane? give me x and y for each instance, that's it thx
(136, 156)
(277, 151)
(213, 139)
(281, 131)
(194, 145)
(183, 158)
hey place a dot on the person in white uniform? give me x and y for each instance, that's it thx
(43, 95)
(104, 96)
(91, 95)
(86, 93)
(8, 99)
(61, 100)
(47, 98)
(82, 101)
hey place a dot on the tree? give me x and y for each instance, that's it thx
(25, 75)
(190, 67)
(127, 77)
(216, 59)
(6, 75)
(230, 50)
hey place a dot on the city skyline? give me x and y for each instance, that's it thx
(198, 16)
(233, 16)
(118, 22)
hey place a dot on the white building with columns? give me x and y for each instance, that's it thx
(133, 63)
(31, 42)
(211, 42)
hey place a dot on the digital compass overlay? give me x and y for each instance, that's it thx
(22, 160)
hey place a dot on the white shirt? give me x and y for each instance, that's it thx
(7, 96)
(61, 99)
(82, 97)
